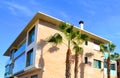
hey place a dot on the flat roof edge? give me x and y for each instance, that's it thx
(36, 17)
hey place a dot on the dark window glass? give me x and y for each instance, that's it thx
(34, 76)
(86, 42)
(112, 66)
(29, 58)
(31, 35)
(86, 60)
(97, 63)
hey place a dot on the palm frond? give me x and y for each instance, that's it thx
(85, 37)
(55, 39)
(69, 29)
(111, 47)
(115, 56)
(77, 49)
(63, 26)
(103, 48)
(112, 56)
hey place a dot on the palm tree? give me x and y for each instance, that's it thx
(80, 38)
(115, 56)
(107, 48)
(57, 38)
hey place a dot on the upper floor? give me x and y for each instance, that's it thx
(26, 51)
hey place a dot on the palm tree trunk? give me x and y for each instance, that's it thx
(76, 65)
(108, 67)
(68, 64)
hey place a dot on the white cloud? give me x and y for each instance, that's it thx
(16, 8)
(63, 14)
(12, 10)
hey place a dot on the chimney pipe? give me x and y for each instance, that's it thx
(81, 23)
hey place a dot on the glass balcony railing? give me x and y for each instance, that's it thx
(18, 64)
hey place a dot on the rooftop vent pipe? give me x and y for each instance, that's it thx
(81, 23)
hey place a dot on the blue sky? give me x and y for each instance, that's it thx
(101, 17)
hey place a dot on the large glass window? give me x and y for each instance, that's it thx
(31, 36)
(19, 64)
(20, 50)
(29, 58)
(112, 66)
(97, 63)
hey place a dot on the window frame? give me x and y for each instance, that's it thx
(86, 43)
(86, 60)
(28, 59)
(29, 40)
(34, 76)
(98, 62)
(111, 67)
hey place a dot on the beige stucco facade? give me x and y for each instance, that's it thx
(49, 60)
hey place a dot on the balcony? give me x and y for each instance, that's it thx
(17, 62)
(19, 59)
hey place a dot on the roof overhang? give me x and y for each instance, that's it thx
(47, 18)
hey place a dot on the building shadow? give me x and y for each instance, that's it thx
(40, 47)
(83, 64)
(53, 49)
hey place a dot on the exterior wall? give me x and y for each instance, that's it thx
(51, 59)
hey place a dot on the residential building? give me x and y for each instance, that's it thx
(32, 57)
(118, 68)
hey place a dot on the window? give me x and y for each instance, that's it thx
(105, 65)
(86, 60)
(34, 76)
(31, 36)
(112, 66)
(21, 49)
(29, 58)
(97, 64)
(86, 42)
